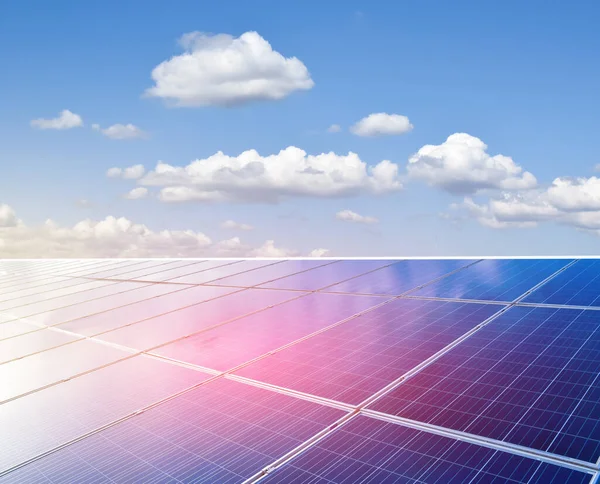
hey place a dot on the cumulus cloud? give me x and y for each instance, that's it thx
(8, 217)
(575, 194)
(334, 128)
(268, 249)
(137, 193)
(131, 173)
(350, 216)
(568, 201)
(319, 253)
(461, 165)
(117, 237)
(232, 225)
(222, 70)
(65, 120)
(251, 177)
(382, 124)
(121, 131)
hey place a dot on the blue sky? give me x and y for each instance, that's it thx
(520, 76)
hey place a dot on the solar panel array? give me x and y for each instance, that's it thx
(343, 371)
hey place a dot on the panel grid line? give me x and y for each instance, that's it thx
(398, 381)
(352, 411)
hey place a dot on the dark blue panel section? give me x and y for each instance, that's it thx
(530, 377)
(579, 285)
(494, 279)
(370, 451)
(222, 432)
(400, 278)
(352, 361)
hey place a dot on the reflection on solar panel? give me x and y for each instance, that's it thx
(428, 371)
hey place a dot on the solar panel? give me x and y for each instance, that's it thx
(369, 450)
(578, 286)
(428, 371)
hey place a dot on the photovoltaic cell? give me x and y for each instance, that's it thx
(42, 421)
(167, 328)
(328, 275)
(140, 311)
(493, 279)
(579, 285)
(531, 377)
(143, 293)
(31, 343)
(400, 277)
(25, 310)
(352, 361)
(28, 374)
(229, 345)
(68, 371)
(371, 451)
(220, 432)
(151, 272)
(269, 273)
(221, 271)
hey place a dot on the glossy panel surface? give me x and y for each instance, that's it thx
(531, 377)
(50, 367)
(494, 279)
(400, 277)
(237, 342)
(221, 432)
(179, 324)
(579, 285)
(140, 311)
(328, 275)
(42, 421)
(270, 273)
(352, 361)
(221, 271)
(368, 450)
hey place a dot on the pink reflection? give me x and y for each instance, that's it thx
(234, 343)
(163, 329)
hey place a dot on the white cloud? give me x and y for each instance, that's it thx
(568, 201)
(318, 253)
(131, 173)
(382, 124)
(65, 120)
(117, 237)
(137, 193)
(8, 218)
(461, 165)
(251, 177)
(232, 225)
(268, 249)
(221, 70)
(334, 128)
(575, 194)
(350, 216)
(121, 131)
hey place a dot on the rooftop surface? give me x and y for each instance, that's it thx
(343, 371)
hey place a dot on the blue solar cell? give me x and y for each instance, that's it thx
(531, 377)
(579, 285)
(493, 279)
(370, 451)
(220, 432)
(47, 419)
(400, 277)
(352, 361)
